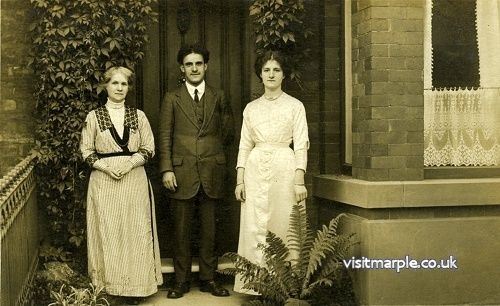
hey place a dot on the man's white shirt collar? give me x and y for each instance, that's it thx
(191, 88)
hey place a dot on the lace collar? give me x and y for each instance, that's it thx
(104, 120)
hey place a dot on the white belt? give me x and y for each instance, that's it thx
(272, 145)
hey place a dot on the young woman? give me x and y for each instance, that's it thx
(123, 253)
(272, 160)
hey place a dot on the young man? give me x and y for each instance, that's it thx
(196, 122)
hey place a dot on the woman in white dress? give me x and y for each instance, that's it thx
(123, 253)
(272, 161)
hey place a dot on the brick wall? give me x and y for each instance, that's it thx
(388, 89)
(331, 88)
(311, 95)
(16, 91)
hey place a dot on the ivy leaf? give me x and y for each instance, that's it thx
(68, 39)
(60, 188)
(76, 240)
(254, 10)
(63, 32)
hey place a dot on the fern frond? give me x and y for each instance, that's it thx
(306, 292)
(271, 281)
(328, 244)
(277, 256)
(321, 245)
(328, 269)
(268, 291)
(243, 267)
(300, 238)
(229, 271)
(275, 247)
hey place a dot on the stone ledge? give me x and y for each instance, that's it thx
(392, 194)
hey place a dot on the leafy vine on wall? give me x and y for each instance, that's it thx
(280, 25)
(74, 42)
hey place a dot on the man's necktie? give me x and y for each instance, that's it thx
(196, 99)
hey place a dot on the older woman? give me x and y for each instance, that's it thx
(270, 172)
(123, 253)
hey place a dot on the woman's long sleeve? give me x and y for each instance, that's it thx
(246, 143)
(147, 145)
(300, 138)
(87, 142)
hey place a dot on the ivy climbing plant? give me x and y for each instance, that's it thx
(74, 42)
(280, 25)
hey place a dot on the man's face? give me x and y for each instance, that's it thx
(194, 68)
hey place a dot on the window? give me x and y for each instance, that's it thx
(462, 83)
(455, 56)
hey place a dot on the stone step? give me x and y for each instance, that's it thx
(167, 265)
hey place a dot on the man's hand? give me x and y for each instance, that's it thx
(169, 180)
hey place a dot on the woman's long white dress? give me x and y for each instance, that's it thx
(123, 252)
(268, 130)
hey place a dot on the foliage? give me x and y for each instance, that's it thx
(61, 280)
(299, 268)
(74, 41)
(280, 25)
(92, 296)
(51, 253)
(53, 276)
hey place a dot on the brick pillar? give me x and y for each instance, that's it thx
(387, 101)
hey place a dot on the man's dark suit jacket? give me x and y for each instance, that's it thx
(195, 152)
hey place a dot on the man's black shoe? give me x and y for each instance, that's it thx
(178, 290)
(214, 288)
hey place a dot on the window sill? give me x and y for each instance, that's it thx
(461, 172)
(392, 194)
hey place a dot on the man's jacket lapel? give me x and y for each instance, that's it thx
(210, 102)
(185, 103)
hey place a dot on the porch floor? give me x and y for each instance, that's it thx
(194, 297)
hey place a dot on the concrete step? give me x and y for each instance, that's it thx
(167, 265)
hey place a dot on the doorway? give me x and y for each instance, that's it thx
(221, 26)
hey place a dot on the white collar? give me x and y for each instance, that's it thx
(200, 87)
(113, 105)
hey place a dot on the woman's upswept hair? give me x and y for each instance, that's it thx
(278, 56)
(129, 74)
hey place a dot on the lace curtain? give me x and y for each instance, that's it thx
(462, 126)
(459, 129)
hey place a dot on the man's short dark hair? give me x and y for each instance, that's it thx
(194, 48)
